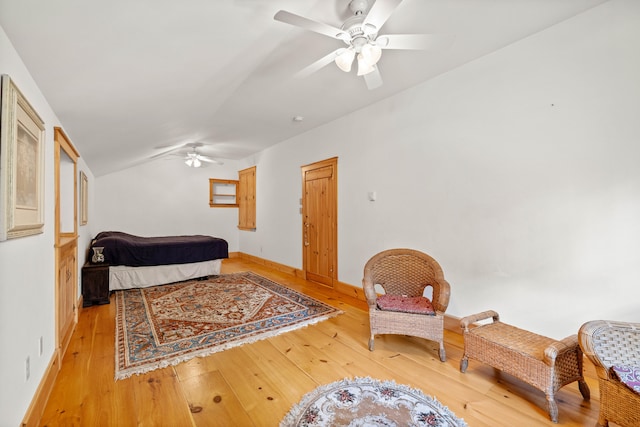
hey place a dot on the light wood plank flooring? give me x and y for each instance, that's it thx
(256, 384)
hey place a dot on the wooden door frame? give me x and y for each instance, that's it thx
(333, 161)
(62, 143)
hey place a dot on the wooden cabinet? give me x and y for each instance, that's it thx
(239, 193)
(66, 238)
(247, 199)
(67, 288)
(95, 284)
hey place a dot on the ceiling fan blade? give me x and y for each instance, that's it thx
(209, 160)
(320, 63)
(171, 149)
(308, 24)
(166, 152)
(414, 41)
(373, 79)
(380, 12)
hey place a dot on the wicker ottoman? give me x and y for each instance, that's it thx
(544, 363)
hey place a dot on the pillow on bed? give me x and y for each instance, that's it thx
(418, 305)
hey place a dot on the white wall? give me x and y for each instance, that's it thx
(27, 276)
(518, 172)
(164, 197)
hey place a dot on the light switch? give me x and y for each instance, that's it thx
(372, 196)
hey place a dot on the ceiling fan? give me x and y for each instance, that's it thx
(191, 158)
(195, 159)
(360, 34)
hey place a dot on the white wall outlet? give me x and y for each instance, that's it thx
(27, 369)
(41, 346)
(372, 196)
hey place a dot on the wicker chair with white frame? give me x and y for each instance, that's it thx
(403, 307)
(614, 345)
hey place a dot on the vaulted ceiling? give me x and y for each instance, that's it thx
(131, 80)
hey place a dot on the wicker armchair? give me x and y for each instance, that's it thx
(608, 344)
(406, 273)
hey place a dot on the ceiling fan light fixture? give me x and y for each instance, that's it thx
(363, 66)
(360, 33)
(345, 59)
(193, 161)
(371, 53)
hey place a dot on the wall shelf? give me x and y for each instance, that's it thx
(223, 193)
(240, 193)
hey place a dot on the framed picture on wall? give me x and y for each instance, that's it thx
(21, 164)
(84, 199)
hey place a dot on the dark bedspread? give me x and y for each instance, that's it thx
(125, 249)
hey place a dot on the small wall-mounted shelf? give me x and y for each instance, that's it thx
(241, 194)
(223, 193)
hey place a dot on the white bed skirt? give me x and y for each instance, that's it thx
(124, 277)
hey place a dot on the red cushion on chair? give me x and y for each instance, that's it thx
(418, 305)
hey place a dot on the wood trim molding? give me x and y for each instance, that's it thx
(65, 142)
(451, 323)
(276, 266)
(347, 289)
(62, 143)
(39, 401)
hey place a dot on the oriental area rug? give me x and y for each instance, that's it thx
(369, 402)
(168, 324)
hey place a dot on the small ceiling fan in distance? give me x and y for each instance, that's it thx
(192, 158)
(360, 35)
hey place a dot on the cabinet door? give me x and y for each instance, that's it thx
(247, 199)
(66, 292)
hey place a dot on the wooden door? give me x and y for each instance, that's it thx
(320, 221)
(247, 199)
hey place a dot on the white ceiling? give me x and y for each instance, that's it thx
(129, 79)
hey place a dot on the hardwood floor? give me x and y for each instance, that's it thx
(256, 384)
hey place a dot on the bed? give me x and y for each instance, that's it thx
(139, 262)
